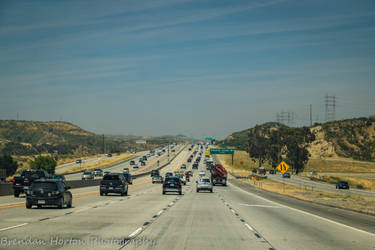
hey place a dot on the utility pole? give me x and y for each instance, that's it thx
(330, 104)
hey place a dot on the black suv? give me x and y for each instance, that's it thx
(172, 184)
(195, 166)
(114, 183)
(155, 172)
(47, 192)
(342, 185)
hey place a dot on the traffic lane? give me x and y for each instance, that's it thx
(199, 221)
(303, 181)
(107, 217)
(82, 205)
(289, 228)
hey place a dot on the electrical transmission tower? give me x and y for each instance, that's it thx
(330, 103)
(286, 118)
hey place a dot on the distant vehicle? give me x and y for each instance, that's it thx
(154, 172)
(132, 162)
(60, 177)
(140, 159)
(183, 166)
(204, 184)
(181, 175)
(202, 173)
(195, 166)
(87, 176)
(218, 175)
(190, 173)
(128, 178)
(148, 155)
(125, 170)
(342, 185)
(21, 183)
(172, 184)
(286, 175)
(107, 172)
(163, 150)
(48, 192)
(143, 163)
(109, 155)
(157, 179)
(97, 172)
(135, 166)
(189, 160)
(262, 170)
(189, 149)
(79, 161)
(113, 183)
(144, 158)
(168, 174)
(173, 150)
(272, 171)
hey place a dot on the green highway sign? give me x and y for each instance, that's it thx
(221, 151)
(208, 139)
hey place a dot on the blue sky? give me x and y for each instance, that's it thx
(196, 67)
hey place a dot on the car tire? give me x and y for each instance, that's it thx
(101, 193)
(197, 190)
(61, 205)
(163, 192)
(16, 194)
(126, 193)
(28, 205)
(180, 192)
(211, 190)
(69, 205)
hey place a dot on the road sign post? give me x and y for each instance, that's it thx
(283, 167)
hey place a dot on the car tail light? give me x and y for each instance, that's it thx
(14, 180)
(101, 183)
(165, 183)
(121, 183)
(178, 183)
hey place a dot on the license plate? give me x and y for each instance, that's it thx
(41, 202)
(172, 185)
(110, 188)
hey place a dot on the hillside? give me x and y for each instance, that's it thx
(31, 137)
(350, 138)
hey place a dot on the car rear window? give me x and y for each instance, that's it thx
(87, 173)
(29, 174)
(172, 179)
(205, 180)
(48, 186)
(111, 177)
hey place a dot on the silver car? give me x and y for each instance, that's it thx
(204, 183)
(87, 176)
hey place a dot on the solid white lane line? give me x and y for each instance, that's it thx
(307, 213)
(7, 228)
(254, 205)
(135, 232)
(249, 227)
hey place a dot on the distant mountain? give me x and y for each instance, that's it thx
(31, 137)
(351, 138)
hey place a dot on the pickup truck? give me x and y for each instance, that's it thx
(218, 175)
(20, 183)
(157, 179)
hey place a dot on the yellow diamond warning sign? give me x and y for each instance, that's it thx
(283, 167)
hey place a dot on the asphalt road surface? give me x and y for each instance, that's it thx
(306, 182)
(228, 218)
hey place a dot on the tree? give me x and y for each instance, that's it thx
(46, 163)
(258, 145)
(7, 163)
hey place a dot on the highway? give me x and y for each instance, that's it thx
(231, 217)
(303, 182)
